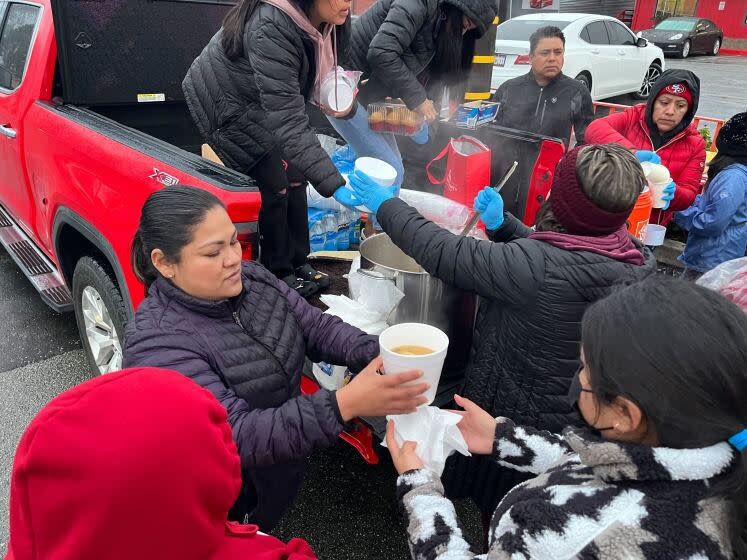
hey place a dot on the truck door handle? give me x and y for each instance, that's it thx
(594, 51)
(623, 53)
(7, 131)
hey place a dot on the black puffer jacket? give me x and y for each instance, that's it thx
(394, 41)
(244, 108)
(249, 352)
(528, 330)
(552, 110)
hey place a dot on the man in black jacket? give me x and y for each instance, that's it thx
(545, 101)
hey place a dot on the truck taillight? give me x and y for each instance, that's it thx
(522, 59)
(248, 239)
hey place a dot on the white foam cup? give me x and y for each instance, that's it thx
(340, 97)
(657, 177)
(655, 235)
(657, 193)
(418, 334)
(380, 171)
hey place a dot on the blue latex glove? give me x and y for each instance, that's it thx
(346, 197)
(490, 206)
(668, 194)
(646, 155)
(369, 192)
(422, 136)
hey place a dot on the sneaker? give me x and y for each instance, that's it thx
(307, 272)
(305, 288)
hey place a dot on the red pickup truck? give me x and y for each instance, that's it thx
(86, 134)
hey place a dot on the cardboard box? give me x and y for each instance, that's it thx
(208, 153)
(476, 114)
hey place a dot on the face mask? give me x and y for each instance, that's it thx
(574, 393)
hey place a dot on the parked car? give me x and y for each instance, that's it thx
(683, 36)
(600, 51)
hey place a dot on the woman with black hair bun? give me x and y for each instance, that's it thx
(658, 470)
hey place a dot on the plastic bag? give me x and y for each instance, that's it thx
(338, 90)
(373, 291)
(315, 200)
(730, 279)
(344, 159)
(438, 209)
(442, 211)
(369, 310)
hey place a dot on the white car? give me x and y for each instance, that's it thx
(600, 51)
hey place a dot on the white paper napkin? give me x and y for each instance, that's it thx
(436, 433)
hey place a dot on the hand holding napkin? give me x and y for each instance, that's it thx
(434, 431)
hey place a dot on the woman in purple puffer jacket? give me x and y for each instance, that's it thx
(241, 333)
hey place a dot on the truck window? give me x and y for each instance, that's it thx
(15, 43)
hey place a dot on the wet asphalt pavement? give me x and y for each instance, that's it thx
(723, 84)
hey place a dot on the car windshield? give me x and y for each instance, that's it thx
(676, 25)
(521, 29)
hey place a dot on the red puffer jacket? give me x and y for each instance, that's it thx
(684, 155)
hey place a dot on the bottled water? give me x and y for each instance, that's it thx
(343, 230)
(316, 236)
(330, 232)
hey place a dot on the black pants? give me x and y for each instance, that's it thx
(283, 217)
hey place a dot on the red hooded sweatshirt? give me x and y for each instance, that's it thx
(134, 465)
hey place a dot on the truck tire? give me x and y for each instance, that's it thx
(100, 315)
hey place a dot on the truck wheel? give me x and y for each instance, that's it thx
(100, 315)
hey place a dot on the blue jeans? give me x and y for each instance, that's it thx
(367, 143)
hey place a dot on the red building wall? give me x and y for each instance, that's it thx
(732, 19)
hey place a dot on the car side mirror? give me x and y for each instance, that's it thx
(641, 42)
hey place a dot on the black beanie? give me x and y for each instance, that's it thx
(732, 140)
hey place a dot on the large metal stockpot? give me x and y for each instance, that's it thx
(427, 299)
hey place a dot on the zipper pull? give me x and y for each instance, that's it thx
(236, 319)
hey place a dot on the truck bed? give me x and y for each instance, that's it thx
(163, 132)
(169, 122)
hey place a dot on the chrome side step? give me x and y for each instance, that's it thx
(35, 265)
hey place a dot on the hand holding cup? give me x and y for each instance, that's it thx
(372, 394)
